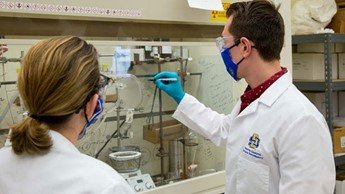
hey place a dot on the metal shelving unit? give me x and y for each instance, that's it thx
(328, 85)
(319, 86)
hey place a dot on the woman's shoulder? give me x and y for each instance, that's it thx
(100, 172)
(96, 165)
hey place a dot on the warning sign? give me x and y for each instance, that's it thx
(220, 16)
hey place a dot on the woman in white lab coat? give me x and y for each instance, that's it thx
(59, 84)
(276, 140)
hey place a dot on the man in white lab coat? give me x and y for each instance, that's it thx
(276, 141)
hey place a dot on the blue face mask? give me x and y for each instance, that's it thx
(93, 119)
(230, 65)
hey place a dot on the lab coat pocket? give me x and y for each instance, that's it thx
(252, 177)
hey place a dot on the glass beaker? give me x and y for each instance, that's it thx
(191, 145)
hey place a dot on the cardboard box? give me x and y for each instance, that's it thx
(318, 99)
(312, 66)
(339, 140)
(319, 48)
(341, 65)
(340, 177)
(338, 122)
(338, 21)
(340, 3)
(172, 130)
(111, 98)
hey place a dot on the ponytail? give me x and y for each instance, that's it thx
(30, 136)
(62, 70)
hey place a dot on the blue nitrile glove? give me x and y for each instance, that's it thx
(172, 88)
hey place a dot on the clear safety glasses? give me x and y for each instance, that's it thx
(104, 81)
(221, 43)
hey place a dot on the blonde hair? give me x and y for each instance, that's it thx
(57, 78)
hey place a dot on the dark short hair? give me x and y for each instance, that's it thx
(260, 22)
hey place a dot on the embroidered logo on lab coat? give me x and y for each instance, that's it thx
(254, 141)
(253, 144)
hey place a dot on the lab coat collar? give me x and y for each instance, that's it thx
(61, 143)
(270, 95)
(276, 89)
